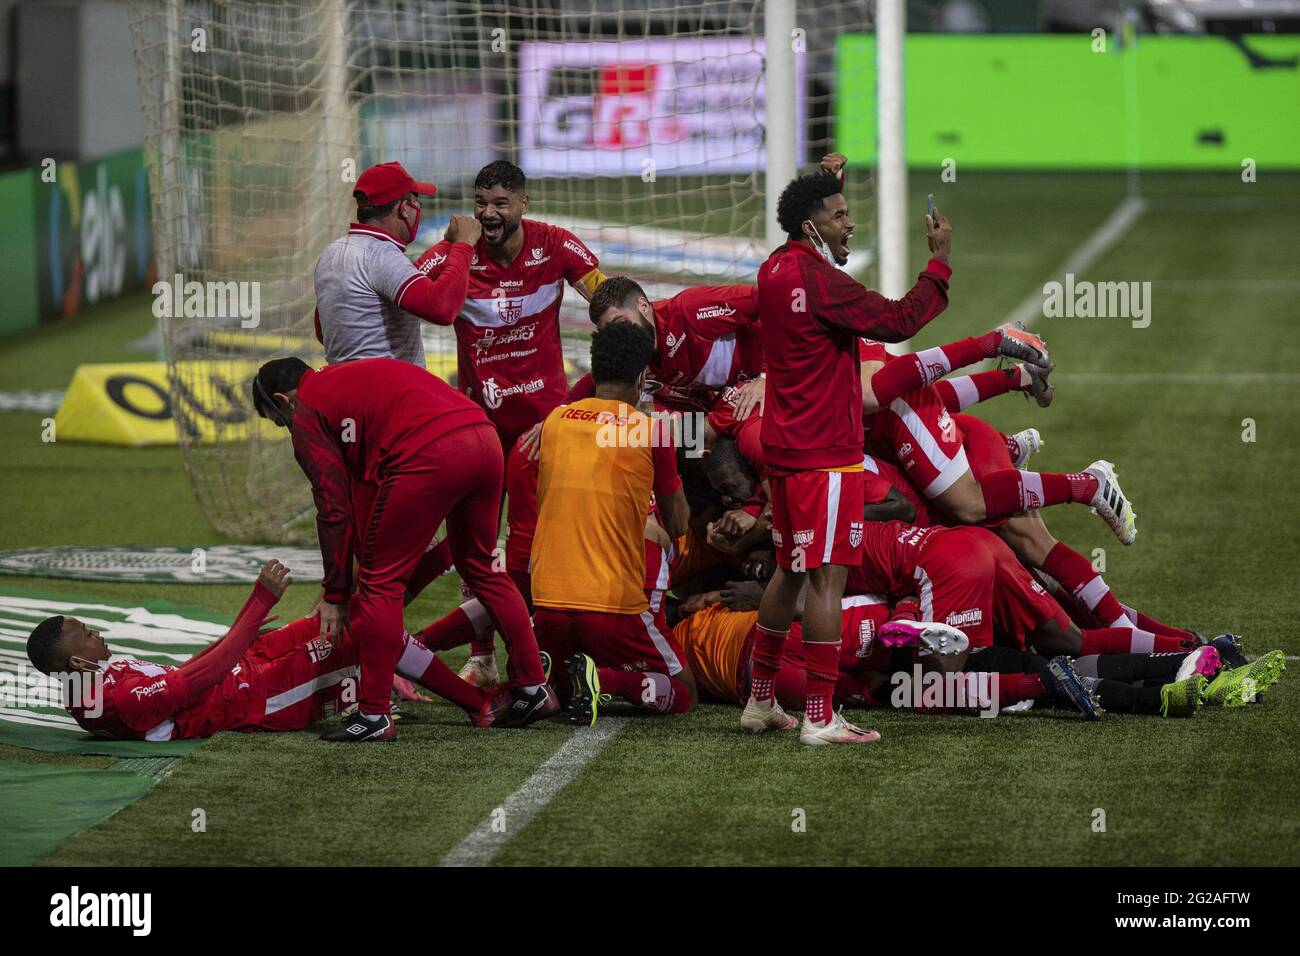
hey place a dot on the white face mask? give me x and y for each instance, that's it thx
(822, 246)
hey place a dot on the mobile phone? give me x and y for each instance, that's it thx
(929, 207)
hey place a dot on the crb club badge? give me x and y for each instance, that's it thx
(855, 533)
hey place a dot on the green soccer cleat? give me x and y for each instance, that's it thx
(586, 698)
(1241, 685)
(1183, 698)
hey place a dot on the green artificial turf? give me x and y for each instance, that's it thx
(1217, 551)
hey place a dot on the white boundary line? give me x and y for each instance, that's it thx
(1084, 255)
(483, 843)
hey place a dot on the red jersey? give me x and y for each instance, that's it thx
(144, 701)
(883, 476)
(360, 421)
(706, 340)
(812, 315)
(747, 432)
(508, 330)
(890, 551)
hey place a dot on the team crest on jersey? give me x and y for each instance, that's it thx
(319, 649)
(855, 533)
(866, 634)
(510, 310)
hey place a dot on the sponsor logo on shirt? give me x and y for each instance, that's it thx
(432, 262)
(149, 690)
(494, 394)
(855, 533)
(510, 283)
(971, 617)
(491, 340)
(537, 258)
(866, 634)
(674, 342)
(573, 246)
(804, 538)
(776, 537)
(714, 312)
(905, 450)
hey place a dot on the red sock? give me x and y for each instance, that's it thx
(964, 391)
(1013, 688)
(483, 645)
(420, 664)
(1010, 492)
(653, 691)
(1122, 640)
(453, 630)
(1076, 574)
(822, 662)
(769, 645)
(907, 373)
(1148, 623)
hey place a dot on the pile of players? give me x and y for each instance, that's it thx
(747, 499)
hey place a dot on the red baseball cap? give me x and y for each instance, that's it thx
(388, 181)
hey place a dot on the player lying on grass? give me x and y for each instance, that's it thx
(431, 455)
(248, 680)
(880, 641)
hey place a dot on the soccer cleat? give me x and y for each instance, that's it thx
(1183, 698)
(528, 708)
(837, 730)
(1014, 342)
(585, 699)
(546, 666)
(935, 637)
(1064, 683)
(1028, 442)
(496, 701)
(480, 670)
(1040, 389)
(1230, 650)
(761, 715)
(1110, 502)
(1204, 661)
(1242, 685)
(360, 729)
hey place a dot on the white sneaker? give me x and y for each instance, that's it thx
(480, 670)
(1028, 442)
(1111, 504)
(931, 635)
(761, 715)
(837, 730)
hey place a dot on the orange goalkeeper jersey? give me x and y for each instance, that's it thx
(600, 460)
(713, 641)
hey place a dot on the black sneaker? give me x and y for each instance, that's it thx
(1230, 651)
(359, 729)
(527, 708)
(1070, 689)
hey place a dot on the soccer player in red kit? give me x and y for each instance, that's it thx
(248, 680)
(812, 316)
(433, 456)
(706, 339)
(508, 330)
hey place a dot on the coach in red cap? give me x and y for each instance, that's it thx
(369, 297)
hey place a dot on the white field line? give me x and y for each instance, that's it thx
(482, 844)
(1084, 255)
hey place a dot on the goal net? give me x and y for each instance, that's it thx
(641, 124)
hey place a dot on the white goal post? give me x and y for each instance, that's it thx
(659, 131)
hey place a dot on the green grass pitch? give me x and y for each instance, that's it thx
(1217, 551)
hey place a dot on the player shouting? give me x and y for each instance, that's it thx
(812, 317)
(432, 455)
(508, 329)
